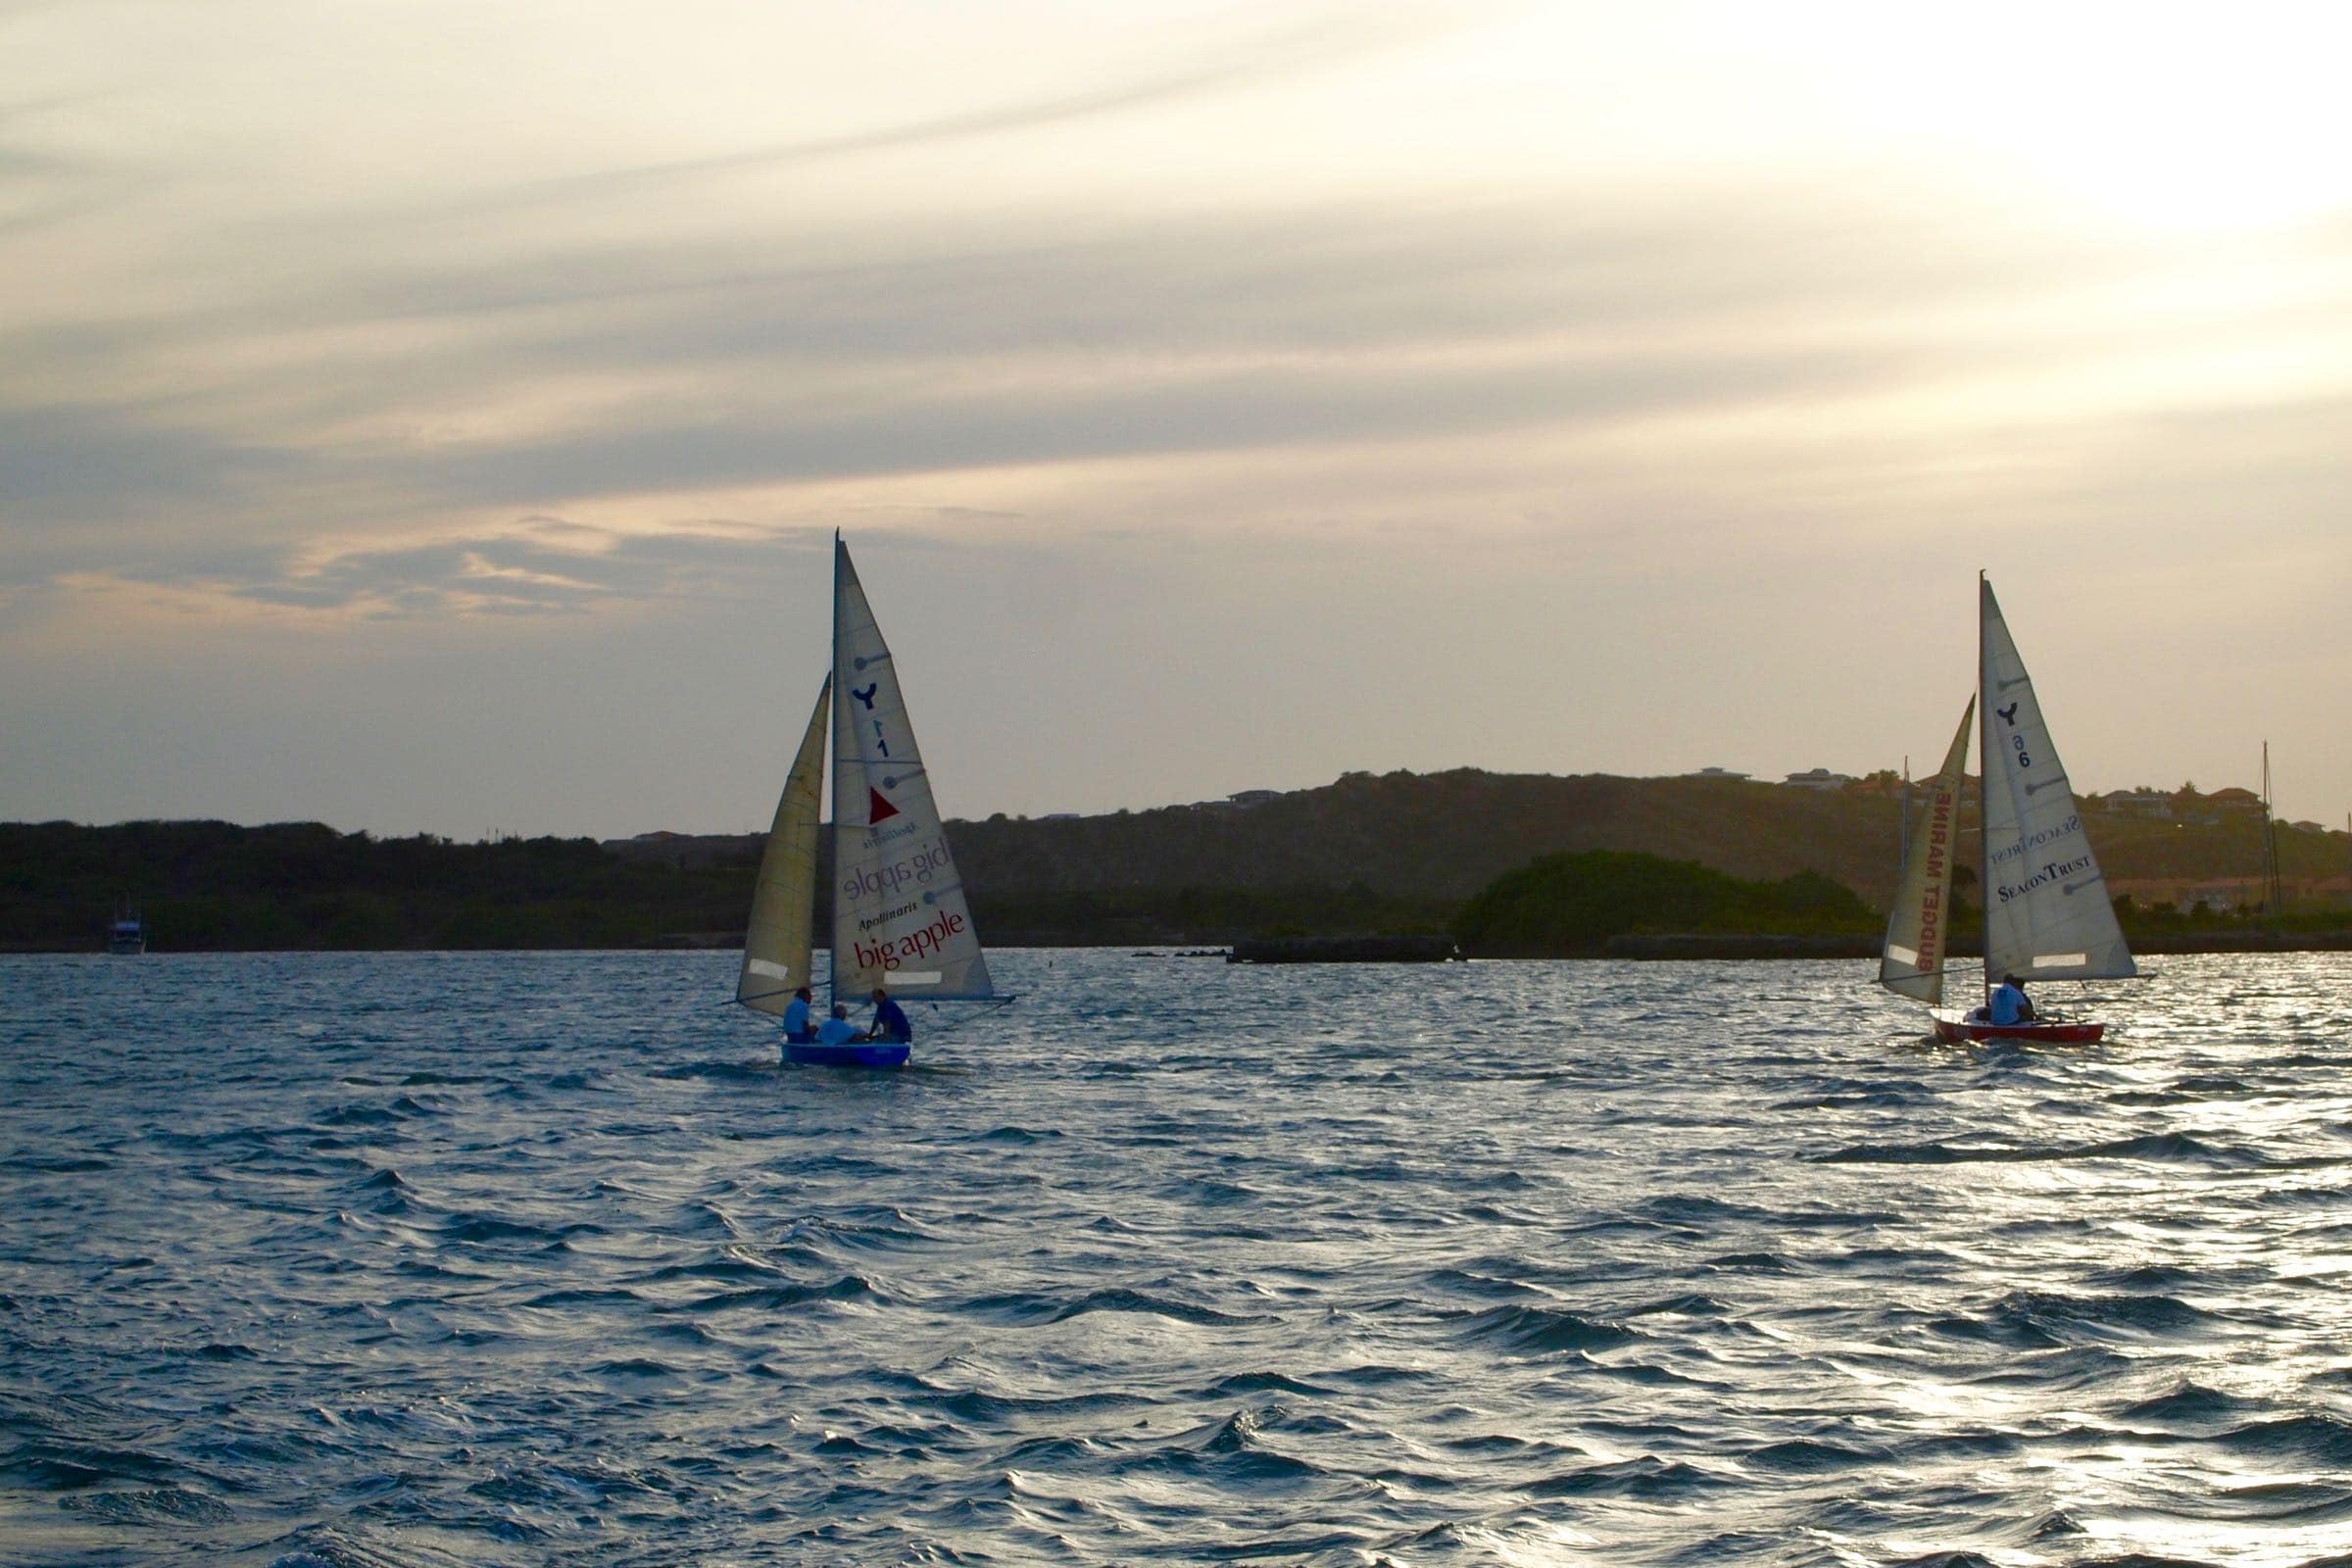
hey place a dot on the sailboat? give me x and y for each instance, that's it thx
(900, 918)
(2047, 915)
(127, 935)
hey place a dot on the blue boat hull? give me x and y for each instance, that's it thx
(861, 1053)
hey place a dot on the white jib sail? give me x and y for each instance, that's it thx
(1919, 926)
(899, 919)
(776, 944)
(2047, 914)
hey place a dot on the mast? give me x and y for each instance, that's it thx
(2273, 895)
(1985, 696)
(1903, 825)
(840, 781)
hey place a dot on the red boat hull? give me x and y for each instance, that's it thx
(1964, 1031)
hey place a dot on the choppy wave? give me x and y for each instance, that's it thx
(385, 1261)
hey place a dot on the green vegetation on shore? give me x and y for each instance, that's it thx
(1570, 905)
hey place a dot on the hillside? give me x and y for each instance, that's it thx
(1443, 836)
(1397, 853)
(302, 885)
(1439, 836)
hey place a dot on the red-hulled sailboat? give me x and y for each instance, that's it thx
(2047, 915)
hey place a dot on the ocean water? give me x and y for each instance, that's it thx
(428, 1259)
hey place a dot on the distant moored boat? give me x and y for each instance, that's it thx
(127, 935)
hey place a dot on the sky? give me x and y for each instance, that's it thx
(435, 417)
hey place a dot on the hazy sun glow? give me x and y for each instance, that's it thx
(2180, 118)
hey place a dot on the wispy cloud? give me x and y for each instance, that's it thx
(690, 371)
(389, 399)
(1278, 49)
(536, 565)
(41, 189)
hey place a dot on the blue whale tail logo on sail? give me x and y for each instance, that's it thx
(2008, 715)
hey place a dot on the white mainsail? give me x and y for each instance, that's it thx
(776, 957)
(2047, 910)
(899, 919)
(1919, 927)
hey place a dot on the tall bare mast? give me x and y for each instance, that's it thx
(2273, 896)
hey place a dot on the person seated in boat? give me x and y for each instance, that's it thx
(800, 1027)
(890, 1021)
(838, 1030)
(2009, 1003)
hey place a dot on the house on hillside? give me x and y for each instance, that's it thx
(1717, 774)
(1818, 778)
(2219, 894)
(2235, 801)
(2157, 803)
(681, 851)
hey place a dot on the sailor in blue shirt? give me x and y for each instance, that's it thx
(838, 1030)
(2009, 1004)
(890, 1021)
(798, 1027)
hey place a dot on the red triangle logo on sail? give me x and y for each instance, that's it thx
(877, 810)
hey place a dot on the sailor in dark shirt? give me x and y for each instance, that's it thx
(890, 1021)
